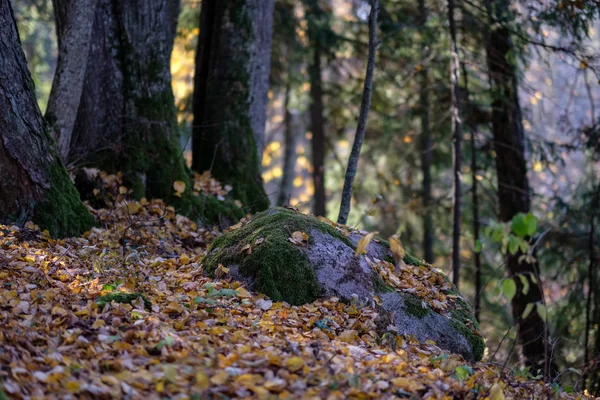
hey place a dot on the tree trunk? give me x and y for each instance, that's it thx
(230, 94)
(126, 117)
(317, 123)
(361, 127)
(511, 169)
(33, 181)
(457, 153)
(289, 157)
(428, 229)
(74, 23)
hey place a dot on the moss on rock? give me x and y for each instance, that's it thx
(274, 264)
(414, 306)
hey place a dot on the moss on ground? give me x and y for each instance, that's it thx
(123, 298)
(280, 270)
(61, 210)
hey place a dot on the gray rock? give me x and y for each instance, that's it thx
(326, 267)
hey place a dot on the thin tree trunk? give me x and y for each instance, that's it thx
(230, 94)
(588, 306)
(74, 23)
(513, 184)
(475, 200)
(428, 229)
(365, 104)
(457, 138)
(289, 158)
(34, 184)
(317, 122)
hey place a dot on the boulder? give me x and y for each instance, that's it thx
(298, 258)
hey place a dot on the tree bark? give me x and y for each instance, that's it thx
(230, 94)
(365, 104)
(513, 184)
(33, 181)
(289, 157)
(457, 139)
(126, 118)
(74, 23)
(428, 229)
(474, 193)
(317, 122)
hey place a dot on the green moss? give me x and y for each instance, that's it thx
(61, 210)
(280, 270)
(414, 306)
(462, 314)
(225, 140)
(123, 298)
(379, 285)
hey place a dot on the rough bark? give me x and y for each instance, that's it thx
(74, 23)
(457, 140)
(289, 157)
(230, 94)
(428, 228)
(317, 122)
(33, 181)
(365, 104)
(513, 184)
(126, 119)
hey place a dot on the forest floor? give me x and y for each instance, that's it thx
(179, 334)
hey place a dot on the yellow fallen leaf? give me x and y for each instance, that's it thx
(410, 385)
(99, 323)
(243, 293)
(294, 363)
(397, 249)
(202, 381)
(275, 385)
(348, 336)
(361, 247)
(179, 186)
(219, 378)
(496, 392)
(72, 387)
(247, 249)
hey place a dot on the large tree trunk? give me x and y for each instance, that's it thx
(230, 94)
(33, 181)
(511, 169)
(126, 118)
(74, 23)
(428, 228)
(317, 124)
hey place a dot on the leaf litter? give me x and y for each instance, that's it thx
(125, 312)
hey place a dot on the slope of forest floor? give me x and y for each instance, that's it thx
(125, 312)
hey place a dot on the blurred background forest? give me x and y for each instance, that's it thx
(405, 175)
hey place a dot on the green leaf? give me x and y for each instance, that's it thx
(527, 311)
(525, 283)
(541, 310)
(531, 223)
(478, 246)
(498, 234)
(513, 245)
(519, 226)
(463, 372)
(509, 288)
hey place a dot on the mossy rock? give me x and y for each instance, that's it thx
(260, 254)
(123, 298)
